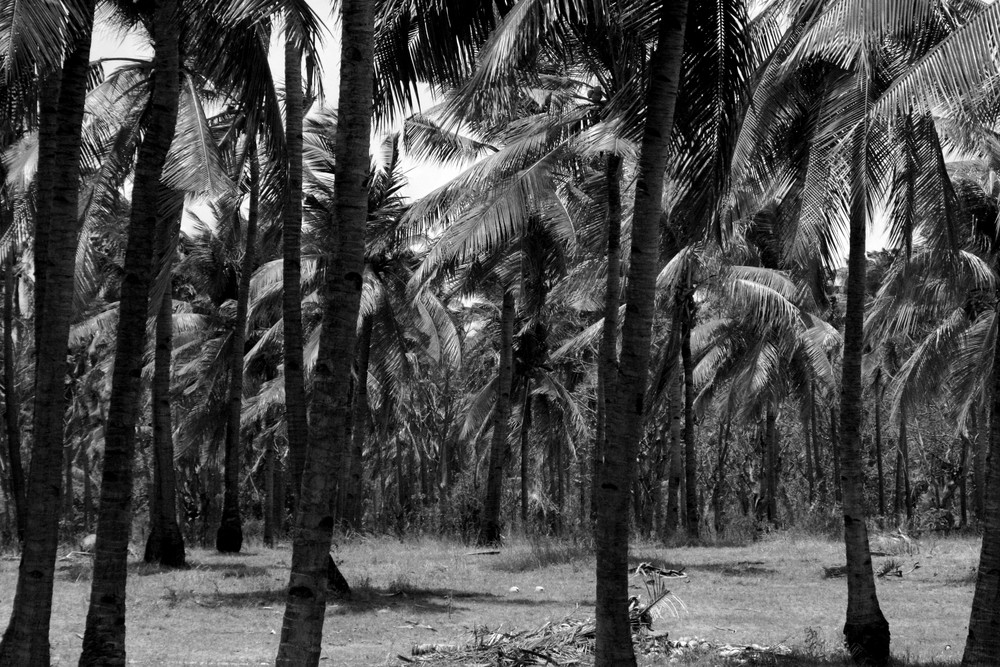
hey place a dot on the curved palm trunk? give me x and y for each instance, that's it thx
(104, 637)
(625, 422)
(330, 414)
(352, 469)
(690, 456)
(229, 538)
(165, 544)
(866, 632)
(607, 362)
(12, 406)
(26, 640)
(295, 392)
(489, 528)
(982, 648)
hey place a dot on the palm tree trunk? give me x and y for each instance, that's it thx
(525, 431)
(675, 468)
(12, 407)
(866, 631)
(296, 423)
(773, 468)
(607, 362)
(982, 648)
(88, 494)
(489, 529)
(330, 414)
(104, 637)
(720, 475)
(810, 479)
(979, 471)
(963, 476)
(835, 451)
(690, 456)
(878, 450)
(269, 500)
(165, 544)
(229, 538)
(26, 640)
(352, 469)
(625, 422)
(817, 451)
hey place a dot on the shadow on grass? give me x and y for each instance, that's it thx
(737, 569)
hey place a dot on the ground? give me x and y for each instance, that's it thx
(226, 610)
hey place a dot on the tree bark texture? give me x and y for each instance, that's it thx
(104, 637)
(690, 455)
(525, 432)
(490, 529)
(296, 420)
(165, 544)
(330, 414)
(982, 648)
(607, 360)
(625, 422)
(866, 631)
(229, 538)
(26, 640)
(352, 470)
(12, 406)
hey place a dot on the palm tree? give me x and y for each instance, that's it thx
(26, 640)
(104, 637)
(330, 413)
(614, 637)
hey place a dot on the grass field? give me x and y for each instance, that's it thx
(226, 610)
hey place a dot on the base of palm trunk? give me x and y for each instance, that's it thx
(229, 538)
(166, 547)
(868, 643)
(489, 534)
(336, 585)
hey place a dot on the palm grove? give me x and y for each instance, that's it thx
(628, 313)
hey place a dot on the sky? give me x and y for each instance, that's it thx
(423, 176)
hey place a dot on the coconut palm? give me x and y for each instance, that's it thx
(330, 412)
(54, 38)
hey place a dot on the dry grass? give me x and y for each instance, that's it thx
(227, 609)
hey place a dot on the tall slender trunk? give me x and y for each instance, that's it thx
(607, 360)
(229, 538)
(489, 529)
(26, 640)
(525, 431)
(810, 478)
(675, 466)
(88, 494)
(963, 475)
(296, 421)
(165, 544)
(982, 648)
(625, 422)
(661, 449)
(773, 466)
(817, 451)
(330, 413)
(352, 469)
(720, 475)
(690, 456)
(104, 637)
(67, 492)
(12, 407)
(269, 500)
(903, 503)
(878, 450)
(866, 631)
(979, 469)
(835, 451)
